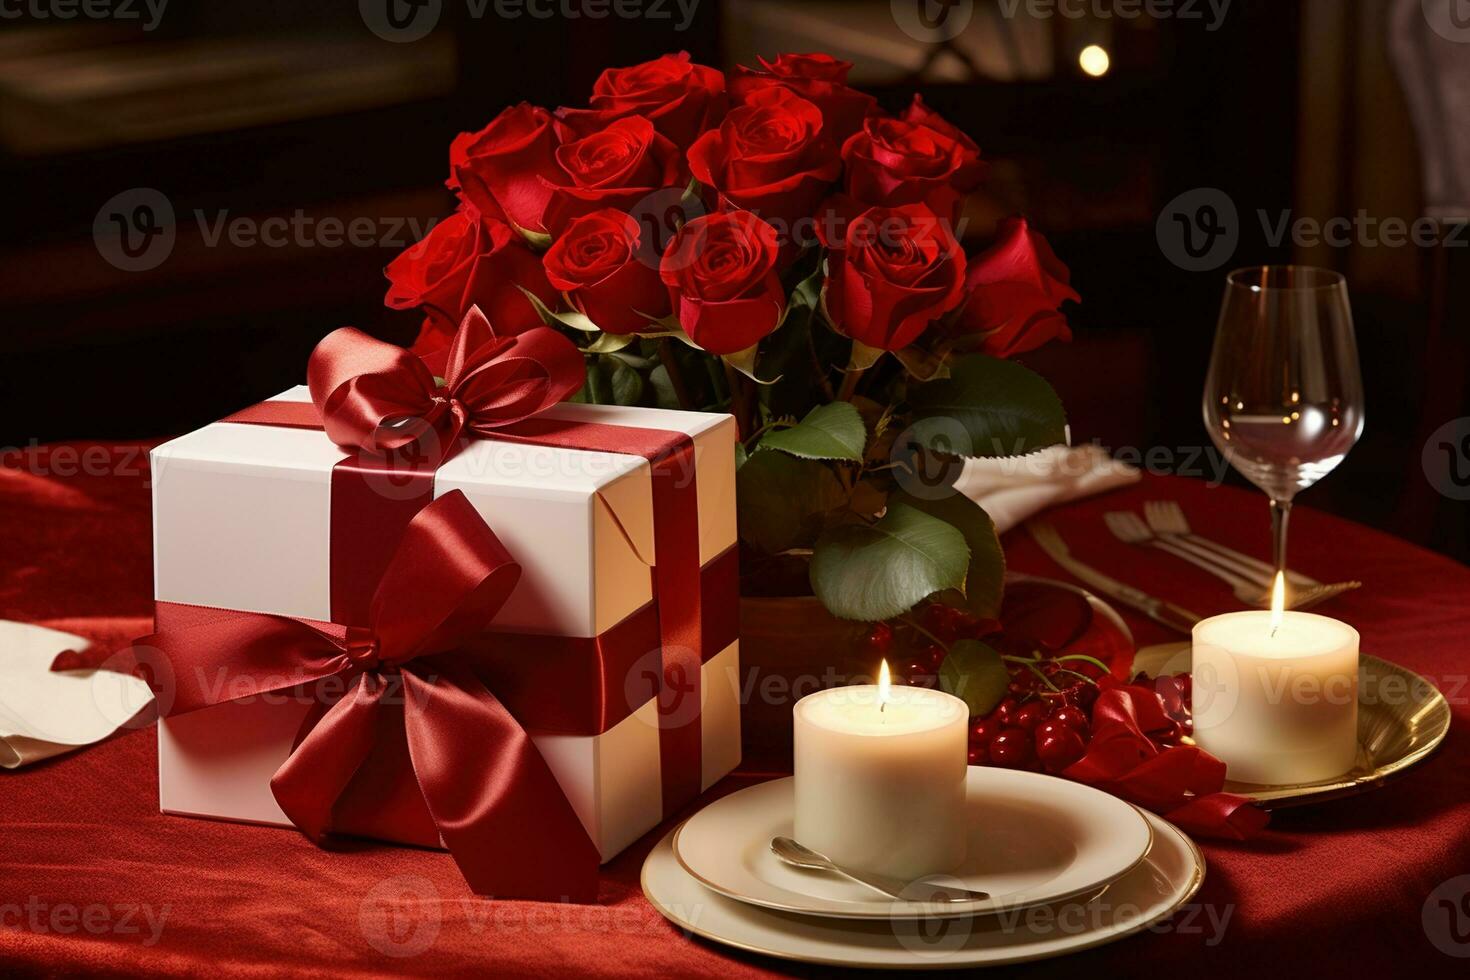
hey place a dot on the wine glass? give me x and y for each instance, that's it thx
(1284, 396)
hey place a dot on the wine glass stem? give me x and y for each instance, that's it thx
(1280, 511)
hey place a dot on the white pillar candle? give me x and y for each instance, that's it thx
(880, 778)
(1275, 695)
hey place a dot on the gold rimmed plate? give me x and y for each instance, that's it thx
(1034, 840)
(1402, 718)
(1167, 878)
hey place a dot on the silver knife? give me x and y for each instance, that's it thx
(1159, 610)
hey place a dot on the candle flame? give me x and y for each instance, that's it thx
(885, 694)
(1278, 601)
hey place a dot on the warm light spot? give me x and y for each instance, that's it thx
(1286, 420)
(885, 693)
(1278, 601)
(1094, 60)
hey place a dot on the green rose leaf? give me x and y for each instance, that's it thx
(985, 578)
(987, 407)
(627, 384)
(744, 362)
(576, 321)
(663, 388)
(806, 295)
(975, 673)
(781, 501)
(609, 343)
(598, 389)
(874, 572)
(863, 357)
(538, 240)
(834, 431)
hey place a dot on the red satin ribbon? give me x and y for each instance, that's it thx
(382, 398)
(670, 457)
(1182, 783)
(387, 407)
(492, 799)
(589, 674)
(385, 402)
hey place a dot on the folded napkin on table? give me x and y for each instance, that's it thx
(44, 712)
(1012, 490)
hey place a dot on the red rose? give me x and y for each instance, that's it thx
(970, 174)
(897, 161)
(614, 168)
(895, 271)
(820, 79)
(509, 167)
(1016, 287)
(680, 98)
(770, 156)
(595, 262)
(721, 273)
(462, 262)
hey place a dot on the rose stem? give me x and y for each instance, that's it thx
(738, 406)
(849, 384)
(667, 355)
(817, 369)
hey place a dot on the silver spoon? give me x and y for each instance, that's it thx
(801, 856)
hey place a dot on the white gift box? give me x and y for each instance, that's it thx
(241, 519)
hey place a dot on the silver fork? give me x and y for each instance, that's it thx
(1166, 517)
(1250, 586)
(1129, 528)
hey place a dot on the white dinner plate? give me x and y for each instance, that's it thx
(1166, 879)
(1033, 840)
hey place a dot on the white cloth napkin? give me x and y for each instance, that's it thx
(1012, 490)
(45, 713)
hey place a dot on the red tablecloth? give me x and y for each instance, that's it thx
(94, 880)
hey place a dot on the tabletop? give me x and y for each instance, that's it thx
(94, 880)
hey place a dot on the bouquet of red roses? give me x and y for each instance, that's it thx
(773, 244)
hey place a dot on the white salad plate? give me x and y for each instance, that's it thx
(1034, 840)
(1165, 880)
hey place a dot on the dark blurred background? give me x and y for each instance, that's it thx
(1096, 116)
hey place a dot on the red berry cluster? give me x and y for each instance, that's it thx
(1043, 723)
(1038, 734)
(941, 625)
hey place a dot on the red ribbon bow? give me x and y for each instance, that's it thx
(1182, 783)
(382, 398)
(492, 798)
(389, 405)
